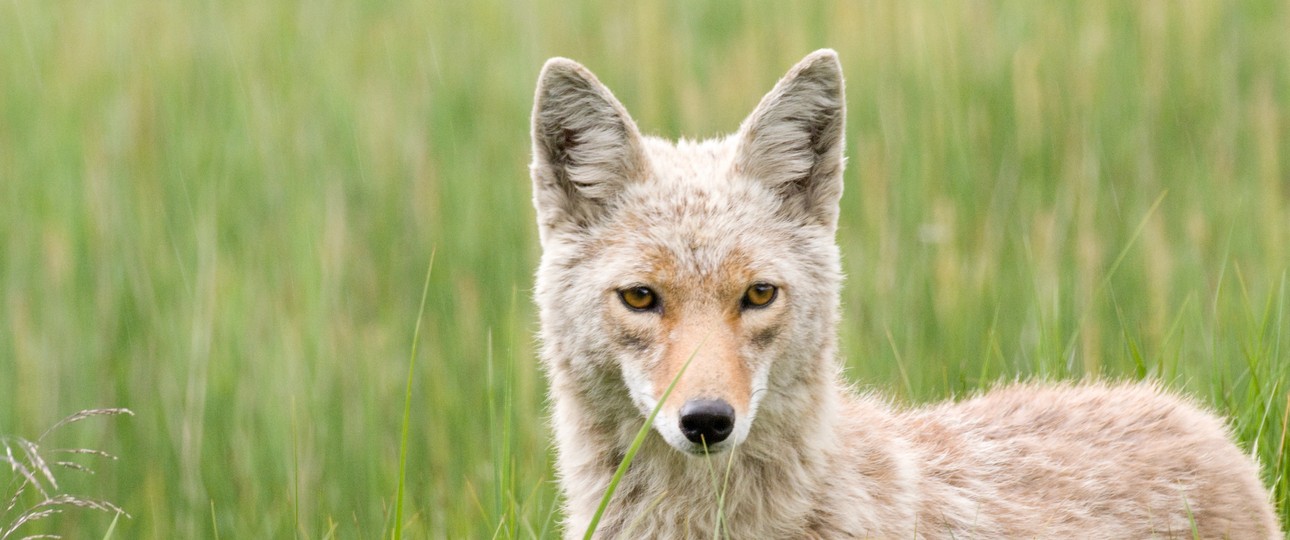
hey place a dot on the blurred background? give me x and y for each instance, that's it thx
(220, 215)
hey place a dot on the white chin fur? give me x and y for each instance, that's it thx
(669, 426)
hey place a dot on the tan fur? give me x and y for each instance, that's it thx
(718, 372)
(700, 222)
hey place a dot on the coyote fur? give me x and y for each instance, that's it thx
(719, 257)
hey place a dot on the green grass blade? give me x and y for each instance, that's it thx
(214, 522)
(295, 476)
(111, 527)
(721, 496)
(1106, 279)
(636, 444)
(407, 406)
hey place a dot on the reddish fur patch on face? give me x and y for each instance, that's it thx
(700, 294)
(703, 320)
(717, 370)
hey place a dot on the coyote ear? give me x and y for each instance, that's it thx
(585, 147)
(793, 140)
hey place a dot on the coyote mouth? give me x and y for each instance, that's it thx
(699, 450)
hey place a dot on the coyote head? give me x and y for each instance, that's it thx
(718, 253)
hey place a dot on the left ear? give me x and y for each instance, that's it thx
(793, 140)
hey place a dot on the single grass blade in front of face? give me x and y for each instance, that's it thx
(636, 444)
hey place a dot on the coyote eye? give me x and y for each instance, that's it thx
(760, 295)
(638, 298)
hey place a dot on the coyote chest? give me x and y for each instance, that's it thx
(710, 268)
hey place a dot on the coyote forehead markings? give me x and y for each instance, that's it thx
(721, 253)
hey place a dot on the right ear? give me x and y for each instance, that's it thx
(585, 148)
(793, 140)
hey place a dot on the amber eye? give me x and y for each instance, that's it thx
(760, 295)
(638, 298)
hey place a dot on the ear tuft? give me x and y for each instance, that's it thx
(794, 139)
(585, 147)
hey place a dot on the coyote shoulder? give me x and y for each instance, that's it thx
(719, 255)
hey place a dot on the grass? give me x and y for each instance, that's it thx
(218, 215)
(397, 532)
(646, 428)
(32, 492)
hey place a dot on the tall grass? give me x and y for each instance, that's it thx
(32, 493)
(211, 211)
(397, 526)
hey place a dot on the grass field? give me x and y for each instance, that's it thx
(219, 215)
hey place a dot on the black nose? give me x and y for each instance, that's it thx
(707, 421)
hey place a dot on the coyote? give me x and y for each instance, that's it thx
(719, 257)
